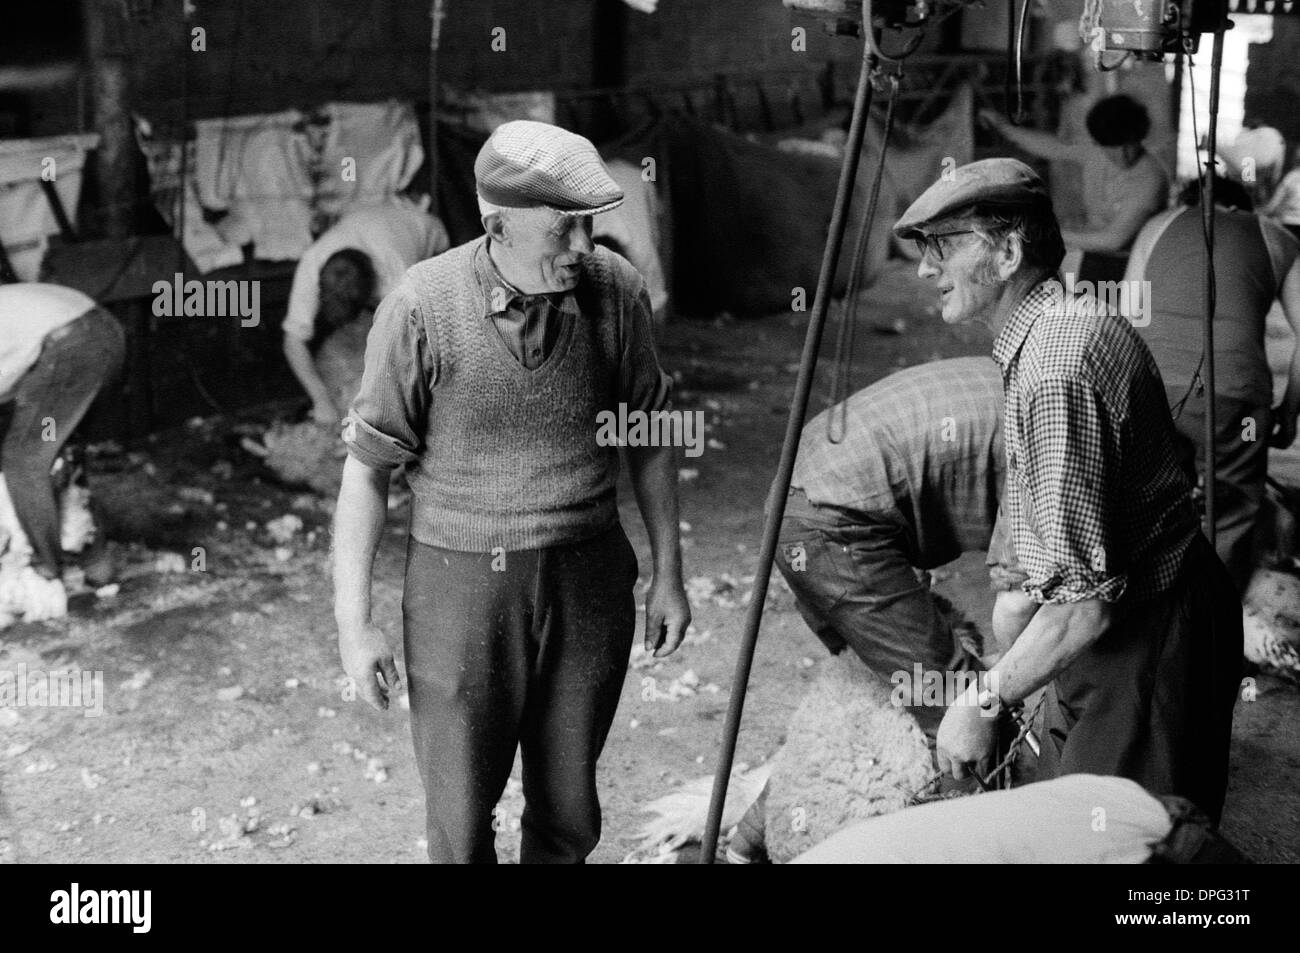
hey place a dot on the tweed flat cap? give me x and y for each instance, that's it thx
(1004, 182)
(526, 164)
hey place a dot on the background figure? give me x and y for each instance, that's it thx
(58, 349)
(384, 240)
(912, 484)
(1284, 206)
(1129, 183)
(1255, 263)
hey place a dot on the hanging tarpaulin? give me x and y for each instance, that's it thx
(27, 218)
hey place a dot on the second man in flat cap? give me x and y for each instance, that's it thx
(1133, 622)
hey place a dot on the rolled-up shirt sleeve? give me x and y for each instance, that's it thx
(1005, 571)
(386, 423)
(643, 383)
(1069, 463)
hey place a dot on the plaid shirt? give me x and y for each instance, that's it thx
(925, 441)
(1098, 506)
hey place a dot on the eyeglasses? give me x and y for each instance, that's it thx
(931, 242)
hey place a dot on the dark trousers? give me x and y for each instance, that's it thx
(49, 401)
(1241, 467)
(858, 588)
(1152, 700)
(530, 654)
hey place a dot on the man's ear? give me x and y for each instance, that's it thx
(495, 226)
(1010, 256)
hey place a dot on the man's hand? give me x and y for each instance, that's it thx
(1283, 431)
(667, 616)
(366, 655)
(966, 738)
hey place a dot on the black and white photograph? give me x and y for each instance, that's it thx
(650, 432)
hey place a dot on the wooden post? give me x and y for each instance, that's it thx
(106, 51)
(114, 161)
(436, 13)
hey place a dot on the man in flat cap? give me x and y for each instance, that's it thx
(1133, 623)
(485, 371)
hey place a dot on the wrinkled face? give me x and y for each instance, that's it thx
(961, 268)
(547, 249)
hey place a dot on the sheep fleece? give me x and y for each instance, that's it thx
(849, 754)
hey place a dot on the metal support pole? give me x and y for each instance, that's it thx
(794, 427)
(1207, 210)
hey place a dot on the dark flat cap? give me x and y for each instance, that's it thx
(526, 164)
(993, 182)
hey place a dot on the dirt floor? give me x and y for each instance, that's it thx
(226, 736)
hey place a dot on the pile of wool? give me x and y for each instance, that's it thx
(680, 817)
(1271, 623)
(309, 454)
(849, 754)
(25, 593)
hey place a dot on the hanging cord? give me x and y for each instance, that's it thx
(1210, 288)
(1196, 385)
(1017, 116)
(841, 380)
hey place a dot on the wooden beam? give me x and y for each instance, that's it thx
(114, 161)
(437, 11)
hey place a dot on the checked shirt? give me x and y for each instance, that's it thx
(1097, 504)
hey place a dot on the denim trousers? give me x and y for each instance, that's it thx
(49, 401)
(855, 586)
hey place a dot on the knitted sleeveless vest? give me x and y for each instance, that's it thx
(511, 458)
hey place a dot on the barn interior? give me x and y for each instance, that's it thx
(155, 150)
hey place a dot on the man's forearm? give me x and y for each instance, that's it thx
(1054, 638)
(358, 526)
(1012, 612)
(304, 368)
(1041, 144)
(654, 480)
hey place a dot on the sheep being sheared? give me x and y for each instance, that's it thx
(850, 753)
